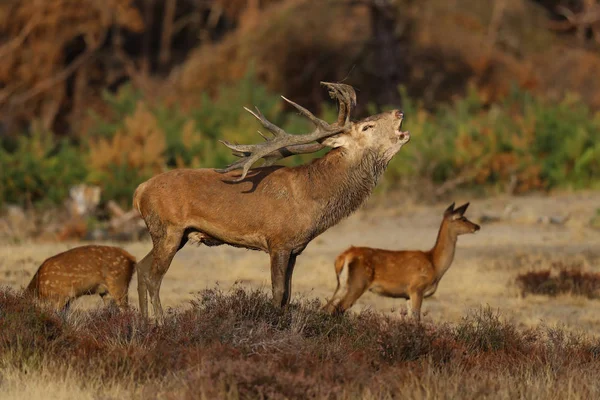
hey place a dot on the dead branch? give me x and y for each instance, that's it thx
(20, 38)
(167, 32)
(61, 76)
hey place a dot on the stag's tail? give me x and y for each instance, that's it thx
(137, 197)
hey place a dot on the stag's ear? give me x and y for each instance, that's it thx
(449, 210)
(461, 210)
(340, 140)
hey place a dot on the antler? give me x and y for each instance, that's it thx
(346, 97)
(283, 144)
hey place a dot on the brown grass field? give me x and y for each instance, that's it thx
(482, 277)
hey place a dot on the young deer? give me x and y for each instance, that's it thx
(410, 275)
(84, 270)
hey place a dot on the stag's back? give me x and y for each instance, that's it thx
(84, 270)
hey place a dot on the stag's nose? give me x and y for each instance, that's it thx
(399, 114)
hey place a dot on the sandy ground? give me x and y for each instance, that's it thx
(483, 272)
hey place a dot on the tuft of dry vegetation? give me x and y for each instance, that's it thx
(569, 280)
(237, 345)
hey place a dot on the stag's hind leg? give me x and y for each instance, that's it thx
(162, 254)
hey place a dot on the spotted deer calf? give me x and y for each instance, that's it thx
(85, 270)
(410, 275)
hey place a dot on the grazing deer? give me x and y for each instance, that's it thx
(411, 275)
(84, 270)
(276, 209)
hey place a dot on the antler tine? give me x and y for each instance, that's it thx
(317, 121)
(293, 144)
(277, 131)
(346, 97)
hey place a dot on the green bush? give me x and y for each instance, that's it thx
(39, 170)
(191, 137)
(523, 143)
(526, 140)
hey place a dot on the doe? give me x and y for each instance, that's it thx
(406, 274)
(85, 270)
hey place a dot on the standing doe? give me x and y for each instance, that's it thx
(275, 209)
(85, 270)
(405, 274)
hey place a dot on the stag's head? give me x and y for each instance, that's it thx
(379, 134)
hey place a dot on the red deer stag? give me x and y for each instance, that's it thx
(84, 270)
(275, 209)
(411, 275)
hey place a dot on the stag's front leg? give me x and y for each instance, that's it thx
(143, 268)
(282, 268)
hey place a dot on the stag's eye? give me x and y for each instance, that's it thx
(366, 128)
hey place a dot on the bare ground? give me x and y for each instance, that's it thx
(483, 272)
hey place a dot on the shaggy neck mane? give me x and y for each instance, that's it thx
(340, 186)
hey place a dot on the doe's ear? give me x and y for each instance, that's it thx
(461, 210)
(449, 210)
(340, 140)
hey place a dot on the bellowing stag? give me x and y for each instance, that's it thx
(273, 208)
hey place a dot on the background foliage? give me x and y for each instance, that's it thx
(114, 93)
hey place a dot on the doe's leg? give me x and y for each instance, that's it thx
(106, 298)
(331, 304)
(416, 299)
(352, 287)
(119, 295)
(353, 293)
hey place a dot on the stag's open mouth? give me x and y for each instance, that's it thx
(403, 136)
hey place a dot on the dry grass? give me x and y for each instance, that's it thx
(50, 383)
(483, 272)
(204, 351)
(237, 345)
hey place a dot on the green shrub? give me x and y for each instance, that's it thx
(191, 138)
(520, 144)
(39, 169)
(524, 140)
